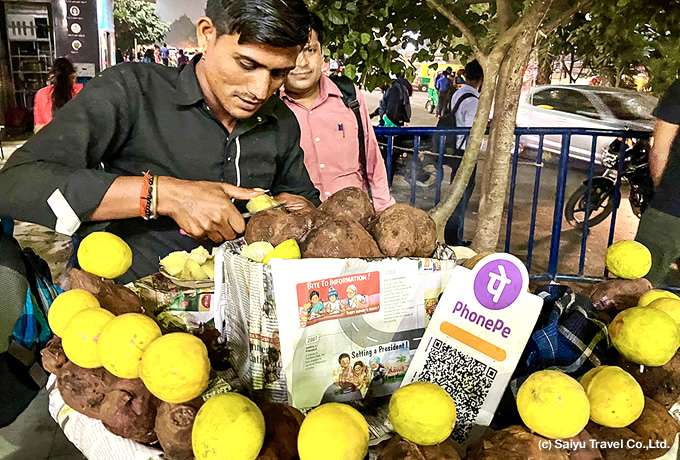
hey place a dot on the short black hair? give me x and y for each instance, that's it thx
(314, 293)
(474, 71)
(317, 26)
(344, 355)
(280, 23)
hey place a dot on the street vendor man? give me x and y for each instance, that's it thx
(210, 135)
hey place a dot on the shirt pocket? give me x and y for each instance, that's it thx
(345, 145)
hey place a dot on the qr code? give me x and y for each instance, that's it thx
(466, 379)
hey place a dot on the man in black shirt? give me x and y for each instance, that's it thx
(660, 224)
(220, 130)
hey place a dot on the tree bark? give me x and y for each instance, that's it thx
(501, 144)
(544, 76)
(441, 213)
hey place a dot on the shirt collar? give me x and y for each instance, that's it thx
(470, 89)
(189, 91)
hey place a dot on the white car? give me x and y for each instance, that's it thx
(566, 106)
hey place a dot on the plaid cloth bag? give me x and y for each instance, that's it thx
(27, 293)
(31, 330)
(570, 336)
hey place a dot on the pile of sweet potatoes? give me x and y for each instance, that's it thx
(346, 225)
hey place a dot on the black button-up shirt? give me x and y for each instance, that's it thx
(138, 117)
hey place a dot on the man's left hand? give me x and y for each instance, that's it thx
(294, 202)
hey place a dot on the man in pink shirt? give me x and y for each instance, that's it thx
(329, 129)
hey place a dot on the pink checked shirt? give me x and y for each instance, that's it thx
(331, 145)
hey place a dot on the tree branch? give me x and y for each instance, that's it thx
(504, 14)
(535, 13)
(561, 19)
(456, 22)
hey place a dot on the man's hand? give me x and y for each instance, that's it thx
(204, 209)
(294, 202)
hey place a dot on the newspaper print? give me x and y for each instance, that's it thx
(349, 327)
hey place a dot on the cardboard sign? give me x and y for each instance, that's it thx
(475, 339)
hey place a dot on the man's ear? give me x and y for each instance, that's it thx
(205, 32)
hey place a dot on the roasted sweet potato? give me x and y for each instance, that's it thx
(115, 298)
(174, 423)
(350, 202)
(662, 384)
(282, 425)
(277, 225)
(129, 410)
(339, 238)
(403, 231)
(403, 449)
(517, 443)
(53, 356)
(84, 389)
(613, 296)
(641, 440)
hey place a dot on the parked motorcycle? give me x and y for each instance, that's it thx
(635, 171)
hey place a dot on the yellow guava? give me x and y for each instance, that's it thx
(553, 404)
(175, 367)
(333, 431)
(228, 426)
(66, 305)
(122, 343)
(645, 335)
(423, 412)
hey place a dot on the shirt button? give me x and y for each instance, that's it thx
(322, 165)
(259, 119)
(310, 112)
(317, 139)
(328, 193)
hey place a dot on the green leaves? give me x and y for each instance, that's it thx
(137, 19)
(336, 17)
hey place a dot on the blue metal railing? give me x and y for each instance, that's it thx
(436, 138)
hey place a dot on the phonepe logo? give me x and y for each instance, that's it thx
(500, 281)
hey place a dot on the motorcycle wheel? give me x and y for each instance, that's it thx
(601, 205)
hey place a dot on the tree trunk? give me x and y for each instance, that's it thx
(501, 144)
(617, 82)
(441, 213)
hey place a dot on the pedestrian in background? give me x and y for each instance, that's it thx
(165, 54)
(148, 56)
(464, 108)
(443, 85)
(182, 59)
(62, 88)
(330, 134)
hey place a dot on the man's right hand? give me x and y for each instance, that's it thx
(204, 210)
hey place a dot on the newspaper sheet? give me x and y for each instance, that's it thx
(247, 314)
(349, 327)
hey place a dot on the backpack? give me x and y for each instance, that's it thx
(449, 121)
(349, 98)
(27, 292)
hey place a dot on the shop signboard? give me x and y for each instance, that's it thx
(79, 39)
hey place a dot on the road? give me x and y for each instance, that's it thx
(570, 245)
